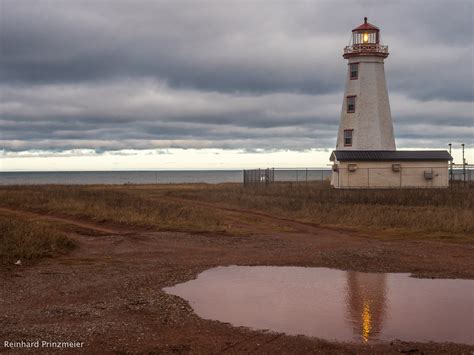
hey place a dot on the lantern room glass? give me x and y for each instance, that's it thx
(365, 37)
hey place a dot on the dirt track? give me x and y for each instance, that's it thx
(107, 293)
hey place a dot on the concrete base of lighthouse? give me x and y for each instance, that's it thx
(390, 169)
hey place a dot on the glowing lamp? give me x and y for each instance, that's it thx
(365, 38)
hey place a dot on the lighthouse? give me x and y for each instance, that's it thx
(365, 155)
(366, 121)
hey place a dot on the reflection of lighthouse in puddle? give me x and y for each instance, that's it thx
(366, 303)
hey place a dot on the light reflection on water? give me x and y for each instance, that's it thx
(366, 302)
(333, 304)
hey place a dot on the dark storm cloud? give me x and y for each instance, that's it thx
(139, 74)
(220, 120)
(237, 47)
(224, 48)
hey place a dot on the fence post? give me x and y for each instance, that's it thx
(463, 165)
(450, 165)
(368, 178)
(401, 176)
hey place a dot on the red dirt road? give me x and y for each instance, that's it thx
(108, 292)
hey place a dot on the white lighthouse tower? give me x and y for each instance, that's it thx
(365, 155)
(366, 121)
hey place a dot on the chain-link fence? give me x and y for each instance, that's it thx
(354, 177)
(396, 176)
(297, 175)
(458, 172)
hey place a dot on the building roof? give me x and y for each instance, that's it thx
(390, 155)
(366, 27)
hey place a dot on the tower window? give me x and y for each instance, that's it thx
(348, 137)
(354, 71)
(351, 104)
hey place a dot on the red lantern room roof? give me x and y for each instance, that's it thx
(366, 27)
(365, 41)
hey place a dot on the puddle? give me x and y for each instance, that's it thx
(333, 304)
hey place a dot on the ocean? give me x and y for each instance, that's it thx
(120, 177)
(151, 177)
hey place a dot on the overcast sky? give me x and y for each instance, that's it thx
(225, 80)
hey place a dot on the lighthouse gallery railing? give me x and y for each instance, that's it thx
(366, 48)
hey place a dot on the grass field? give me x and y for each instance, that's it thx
(118, 205)
(423, 214)
(449, 211)
(22, 239)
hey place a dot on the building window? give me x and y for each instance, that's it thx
(348, 137)
(354, 71)
(351, 104)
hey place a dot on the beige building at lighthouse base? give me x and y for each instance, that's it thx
(390, 169)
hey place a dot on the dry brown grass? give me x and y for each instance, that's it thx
(430, 211)
(436, 214)
(109, 204)
(22, 239)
